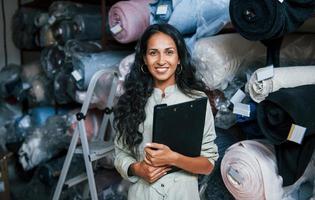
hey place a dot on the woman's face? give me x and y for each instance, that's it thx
(162, 59)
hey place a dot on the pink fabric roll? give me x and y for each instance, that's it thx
(249, 171)
(133, 17)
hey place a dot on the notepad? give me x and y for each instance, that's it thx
(180, 126)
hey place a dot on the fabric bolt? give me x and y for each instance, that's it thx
(125, 65)
(197, 19)
(262, 20)
(52, 59)
(276, 114)
(132, 16)
(249, 171)
(284, 77)
(222, 57)
(23, 28)
(177, 185)
(87, 64)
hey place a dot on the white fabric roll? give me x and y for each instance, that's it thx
(249, 171)
(222, 57)
(284, 77)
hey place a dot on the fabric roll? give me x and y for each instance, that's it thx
(45, 142)
(125, 65)
(222, 57)
(284, 77)
(196, 19)
(262, 20)
(132, 17)
(85, 65)
(276, 114)
(23, 28)
(60, 10)
(82, 27)
(249, 171)
(101, 92)
(52, 58)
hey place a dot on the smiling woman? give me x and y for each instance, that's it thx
(162, 73)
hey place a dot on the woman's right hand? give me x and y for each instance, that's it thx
(148, 172)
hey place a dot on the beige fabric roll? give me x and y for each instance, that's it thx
(249, 171)
(284, 77)
(220, 58)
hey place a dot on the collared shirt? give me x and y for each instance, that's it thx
(177, 185)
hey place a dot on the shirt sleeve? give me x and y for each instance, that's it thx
(123, 159)
(209, 149)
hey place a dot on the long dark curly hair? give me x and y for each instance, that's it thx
(130, 108)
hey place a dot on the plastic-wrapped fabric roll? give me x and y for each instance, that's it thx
(125, 65)
(197, 19)
(43, 143)
(52, 59)
(224, 56)
(276, 117)
(60, 10)
(10, 81)
(23, 28)
(101, 92)
(249, 171)
(85, 65)
(30, 70)
(284, 77)
(262, 20)
(64, 88)
(40, 91)
(160, 17)
(82, 27)
(128, 20)
(41, 20)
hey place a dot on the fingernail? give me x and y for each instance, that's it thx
(148, 144)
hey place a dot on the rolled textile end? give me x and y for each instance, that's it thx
(132, 18)
(262, 20)
(249, 171)
(284, 77)
(125, 65)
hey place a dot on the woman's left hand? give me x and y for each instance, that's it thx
(159, 155)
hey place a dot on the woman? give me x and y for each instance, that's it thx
(162, 73)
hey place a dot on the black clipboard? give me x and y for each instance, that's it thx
(180, 126)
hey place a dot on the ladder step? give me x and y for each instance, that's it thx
(97, 149)
(76, 180)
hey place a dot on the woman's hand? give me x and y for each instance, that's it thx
(159, 155)
(148, 172)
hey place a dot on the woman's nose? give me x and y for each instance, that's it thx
(161, 59)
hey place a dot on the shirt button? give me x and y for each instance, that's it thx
(162, 185)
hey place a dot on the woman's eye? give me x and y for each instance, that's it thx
(152, 53)
(170, 52)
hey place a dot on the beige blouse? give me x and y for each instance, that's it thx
(179, 185)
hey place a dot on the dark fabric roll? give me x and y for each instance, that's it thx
(265, 19)
(276, 114)
(24, 29)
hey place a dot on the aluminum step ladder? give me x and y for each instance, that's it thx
(92, 150)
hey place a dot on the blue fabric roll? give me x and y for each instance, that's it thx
(161, 17)
(197, 19)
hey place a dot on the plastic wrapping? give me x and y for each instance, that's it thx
(44, 142)
(52, 58)
(81, 27)
(24, 29)
(101, 91)
(45, 37)
(60, 10)
(10, 81)
(64, 87)
(197, 19)
(85, 65)
(222, 57)
(125, 65)
(40, 91)
(30, 70)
